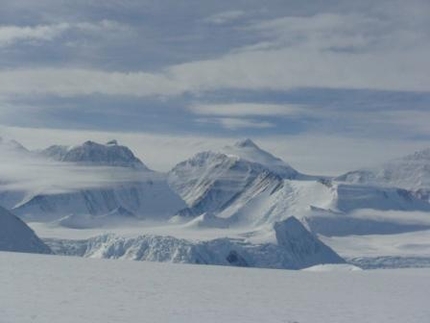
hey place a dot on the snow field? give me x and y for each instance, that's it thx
(40, 289)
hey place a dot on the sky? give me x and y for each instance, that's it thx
(329, 85)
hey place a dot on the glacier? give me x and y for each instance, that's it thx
(295, 248)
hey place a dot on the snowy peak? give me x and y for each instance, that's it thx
(247, 150)
(246, 143)
(94, 154)
(211, 181)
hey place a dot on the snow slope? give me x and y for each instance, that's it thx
(16, 236)
(42, 289)
(325, 209)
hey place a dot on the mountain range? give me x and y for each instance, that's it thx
(228, 183)
(239, 187)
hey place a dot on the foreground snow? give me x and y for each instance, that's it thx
(388, 250)
(36, 288)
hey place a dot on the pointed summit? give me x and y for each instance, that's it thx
(247, 150)
(246, 143)
(305, 247)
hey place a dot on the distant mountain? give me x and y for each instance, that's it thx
(11, 146)
(16, 236)
(138, 192)
(411, 173)
(93, 154)
(211, 181)
(247, 150)
(239, 185)
(11, 151)
(243, 185)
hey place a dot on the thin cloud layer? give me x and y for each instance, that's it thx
(247, 109)
(28, 173)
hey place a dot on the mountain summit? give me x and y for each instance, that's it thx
(248, 150)
(91, 153)
(246, 143)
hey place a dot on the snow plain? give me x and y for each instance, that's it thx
(40, 289)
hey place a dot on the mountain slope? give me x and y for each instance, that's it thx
(124, 183)
(327, 209)
(211, 181)
(16, 236)
(247, 150)
(245, 186)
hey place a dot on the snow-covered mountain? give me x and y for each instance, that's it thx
(10, 152)
(11, 146)
(243, 185)
(124, 187)
(411, 172)
(93, 154)
(247, 150)
(239, 185)
(16, 236)
(212, 181)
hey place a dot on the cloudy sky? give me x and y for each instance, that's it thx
(327, 85)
